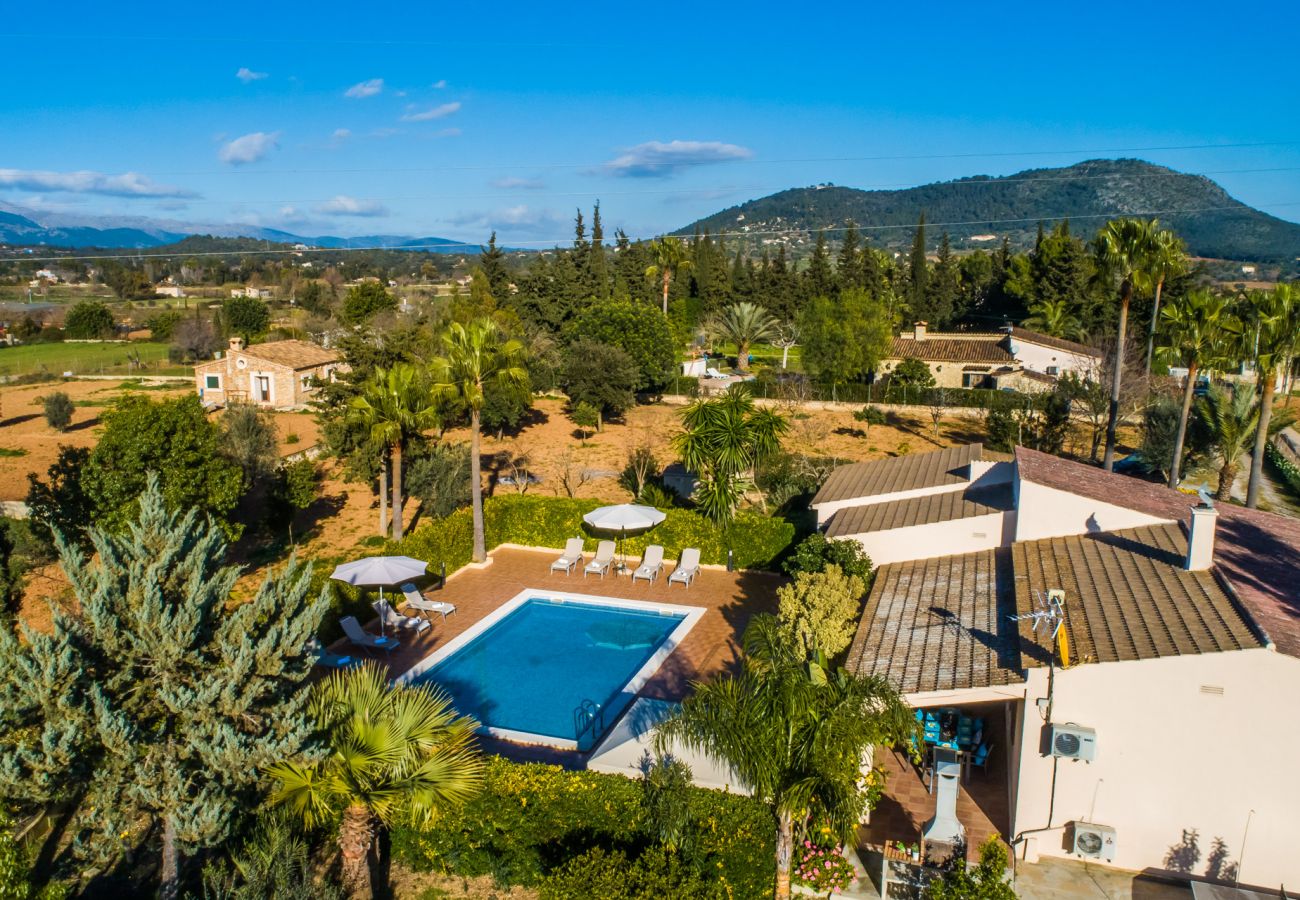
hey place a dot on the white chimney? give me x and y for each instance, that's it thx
(920, 331)
(1200, 538)
(236, 343)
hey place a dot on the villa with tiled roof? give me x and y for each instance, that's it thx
(1014, 358)
(1181, 628)
(278, 374)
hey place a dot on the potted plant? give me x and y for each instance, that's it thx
(824, 869)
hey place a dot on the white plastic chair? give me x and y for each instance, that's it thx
(572, 556)
(603, 560)
(687, 567)
(364, 639)
(651, 564)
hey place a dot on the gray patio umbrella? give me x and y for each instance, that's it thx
(377, 571)
(622, 518)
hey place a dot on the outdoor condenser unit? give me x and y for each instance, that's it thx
(1074, 742)
(1093, 841)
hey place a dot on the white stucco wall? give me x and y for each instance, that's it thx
(1039, 358)
(938, 538)
(1045, 512)
(1204, 742)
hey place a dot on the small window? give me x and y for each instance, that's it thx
(306, 382)
(212, 382)
(1053, 370)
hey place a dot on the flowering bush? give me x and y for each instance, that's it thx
(824, 869)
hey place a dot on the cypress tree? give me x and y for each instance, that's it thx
(918, 272)
(943, 285)
(597, 271)
(818, 279)
(156, 703)
(848, 269)
(493, 262)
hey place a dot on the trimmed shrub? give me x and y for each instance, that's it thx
(542, 825)
(58, 410)
(817, 551)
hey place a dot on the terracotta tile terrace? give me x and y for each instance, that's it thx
(711, 647)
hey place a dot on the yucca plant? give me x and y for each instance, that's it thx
(394, 753)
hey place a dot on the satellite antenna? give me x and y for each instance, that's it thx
(1048, 616)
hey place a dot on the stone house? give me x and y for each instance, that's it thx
(278, 374)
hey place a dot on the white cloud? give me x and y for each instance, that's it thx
(365, 89)
(511, 183)
(428, 115)
(245, 74)
(343, 205)
(249, 148)
(440, 84)
(128, 184)
(449, 132)
(339, 136)
(521, 220)
(655, 159)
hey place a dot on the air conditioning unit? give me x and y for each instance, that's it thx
(1074, 742)
(1093, 841)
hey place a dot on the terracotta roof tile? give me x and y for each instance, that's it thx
(292, 354)
(927, 510)
(900, 473)
(940, 348)
(1258, 553)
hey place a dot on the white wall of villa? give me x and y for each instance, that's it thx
(1044, 512)
(938, 538)
(1203, 742)
(1041, 358)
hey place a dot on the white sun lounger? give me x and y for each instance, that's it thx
(603, 560)
(714, 373)
(572, 556)
(418, 601)
(687, 567)
(364, 639)
(393, 619)
(651, 564)
(330, 660)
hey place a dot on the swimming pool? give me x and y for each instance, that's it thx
(554, 668)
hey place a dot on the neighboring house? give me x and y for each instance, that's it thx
(1169, 736)
(169, 290)
(254, 292)
(1015, 358)
(278, 375)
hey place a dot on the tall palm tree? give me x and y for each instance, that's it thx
(1168, 258)
(1231, 417)
(671, 257)
(472, 356)
(794, 731)
(1277, 343)
(722, 441)
(395, 404)
(1194, 332)
(1055, 318)
(1123, 251)
(743, 324)
(392, 751)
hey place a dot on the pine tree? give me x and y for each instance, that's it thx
(943, 286)
(848, 270)
(597, 271)
(818, 279)
(157, 704)
(918, 273)
(492, 260)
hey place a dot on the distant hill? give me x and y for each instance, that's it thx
(1210, 221)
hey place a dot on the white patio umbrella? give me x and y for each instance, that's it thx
(379, 571)
(622, 518)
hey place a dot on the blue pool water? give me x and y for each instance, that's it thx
(529, 671)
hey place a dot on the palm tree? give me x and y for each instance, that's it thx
(722, 441)
(1194, 331)
(670, 259)
(744, 324)
(794, 731)
(1123, 250)
(1230, 416)
(474, 355)
(1168, 258)
(396, 405)
(1277, 343)
(392, 751)
(1055, 318)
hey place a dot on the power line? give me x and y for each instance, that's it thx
(556, 242)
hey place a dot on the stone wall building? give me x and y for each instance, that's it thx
(279, 374)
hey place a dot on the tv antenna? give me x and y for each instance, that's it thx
(1048, 617)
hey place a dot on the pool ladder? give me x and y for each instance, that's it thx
(589, 716)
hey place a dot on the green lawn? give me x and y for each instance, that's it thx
(87, 359)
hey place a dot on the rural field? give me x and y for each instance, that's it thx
(88, 358)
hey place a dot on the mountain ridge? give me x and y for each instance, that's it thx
(1210, 221)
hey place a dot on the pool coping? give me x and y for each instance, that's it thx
(691, 616)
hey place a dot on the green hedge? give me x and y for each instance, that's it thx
(759, 542)
(1288, 470)
(530, 819)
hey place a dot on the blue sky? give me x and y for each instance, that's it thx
(427, 119)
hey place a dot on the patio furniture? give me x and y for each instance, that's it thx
(713, 373)
(687, 567)
(330, 660)
(651, 564)
(572, 556)
(979, 758)
(392, 617)
(417, 601)
(379, 571)
(623, 518)
(603, 559)
(364, 639)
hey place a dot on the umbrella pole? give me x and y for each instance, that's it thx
(382, 617)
